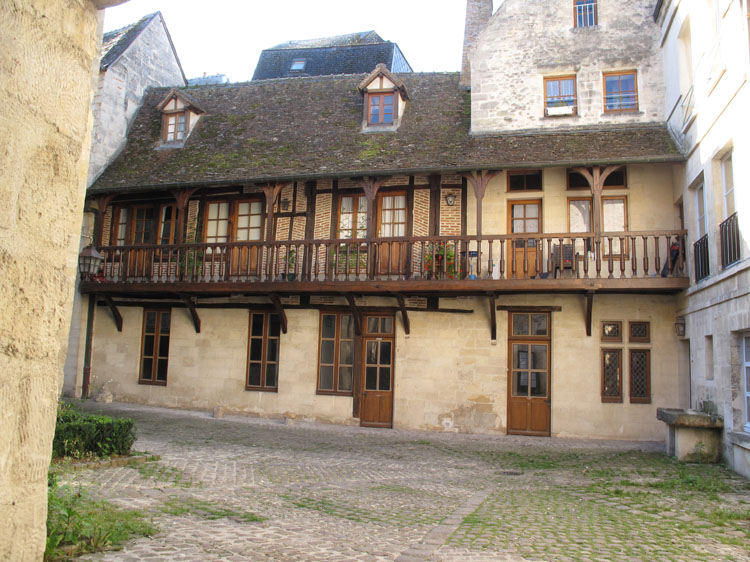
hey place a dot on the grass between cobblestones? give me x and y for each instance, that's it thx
(159, 472)
(625, 506)
(179, 506)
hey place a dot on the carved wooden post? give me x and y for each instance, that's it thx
(182, 197)
(371, 185)
(271, 191)
(479, 181)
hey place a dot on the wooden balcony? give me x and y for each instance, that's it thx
(449, 265)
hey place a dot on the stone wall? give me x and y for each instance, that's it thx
(528, 40)
(149, 61)
(448, 375)
(46, 65)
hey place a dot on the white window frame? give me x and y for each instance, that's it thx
(700, 210)
(727, 181)
(745, 377)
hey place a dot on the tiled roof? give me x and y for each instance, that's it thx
(306, 128)
(360, 38)
(115, 43)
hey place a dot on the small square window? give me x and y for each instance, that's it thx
(612, 331)
(585, 13)
(175, 126)
(298, 65)
(381, 108)
(560, 96)
(620, 91)
(527, 180)
(640, 332)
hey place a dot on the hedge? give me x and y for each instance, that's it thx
(78, 435)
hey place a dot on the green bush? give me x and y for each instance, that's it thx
(79, 435)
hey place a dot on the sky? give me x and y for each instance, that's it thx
(227, 36)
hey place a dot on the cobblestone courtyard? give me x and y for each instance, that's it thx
(334, 493)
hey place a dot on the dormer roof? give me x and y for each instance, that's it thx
(189, 101)
(381, 70)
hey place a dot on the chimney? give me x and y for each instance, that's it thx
(478, 13)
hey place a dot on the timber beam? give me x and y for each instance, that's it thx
(356, 314)
(115, 313)
(589, 311)
(276, 301)
(190, 304)
(404, 316)
(493, 319)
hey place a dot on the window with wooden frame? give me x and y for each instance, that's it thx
(381, 108)
(216, 222)
(142, 224)
(580, 220)
(615, 219)
(353, 217)
(119, 233)
(616, 180)
(525, 180)
(611, 331)
(336, 354)
(639, 332)
(585, 13)
(620, 91)
(263, 352)
(167, 216)
(560, 96)
(175, 125)
(155, 347)
(611, 375)
(392, 216)
(640, 376)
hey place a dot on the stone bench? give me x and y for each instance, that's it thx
(692, 436)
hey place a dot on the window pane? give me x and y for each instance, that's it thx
(385, 353)
(161, 370)
(146, 368)
(326, 352)
(580, 216)
(272, 350)
(257, 325)
(165, 317)
(326, 377)
(347, 326)
(611, 373)
(163, 346)
(520, 384)
(274, 326)
(346, 353)
(386, 326)
(538, 384)
(520, 356)
(253, 378)
(148, 346)
(328, 326)
(372, 325)
(256, 349)
(347, 205)
(532, 211)
(539, 357)
(539, 324)
(150, 322)
(385, 378)
(371, 378)
(345, 378)
(271, 371)
(520, 324)
(614, 215)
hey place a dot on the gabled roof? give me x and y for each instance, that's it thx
(189, 101)
(381, 70)
(115, 43)
(307, 128)
(354, 53)
(360, 38)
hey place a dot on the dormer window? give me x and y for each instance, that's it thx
(180, 113)
(175, 126)
(298, 65)
(381, 109)
(385, 99)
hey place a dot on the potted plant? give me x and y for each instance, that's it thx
(438, 254)
(291, 259)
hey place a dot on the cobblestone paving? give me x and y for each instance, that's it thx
(333, 493)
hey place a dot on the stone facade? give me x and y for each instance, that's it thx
(527, 41)
(45, 89)
(705, 51)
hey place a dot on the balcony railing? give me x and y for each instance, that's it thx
(729, 236)
(700, 256)
(620, 255)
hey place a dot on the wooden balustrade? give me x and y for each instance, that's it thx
(616, 255)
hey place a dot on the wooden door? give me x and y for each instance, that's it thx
(248, 227)
(141, 233)
(376, 406)
(524, 217)
(529, 368)
(392, 224)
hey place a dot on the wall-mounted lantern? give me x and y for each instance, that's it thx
(89, 262)
(450, 199)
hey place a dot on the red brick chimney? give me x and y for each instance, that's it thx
(478, 13)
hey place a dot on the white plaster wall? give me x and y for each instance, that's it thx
(527, 40)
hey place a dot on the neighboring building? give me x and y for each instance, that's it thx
(134, 58)
(209, 80)
(389, 249)
(355, 53)
(706, 53)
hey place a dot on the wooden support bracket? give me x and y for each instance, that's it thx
(493, 319)
(280, 311)
(404, 316)
(193, 312)
(115, 313)
(356, 314)
(589, 311)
